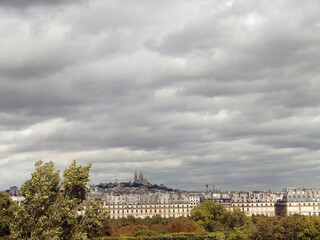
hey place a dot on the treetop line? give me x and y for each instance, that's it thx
(55, 208)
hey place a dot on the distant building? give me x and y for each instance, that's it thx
(141, 179)
(97, 196)
(14, 194)
(303, 201)
(255, 203)
(222, 198)
(150, 204)
(194, 199)
(18, 199)
(251, 203)
(14, 191)
(142, 199)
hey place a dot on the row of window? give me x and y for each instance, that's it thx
(254, 210)
(303, 192)
(254, 205)
(162, 215)
(265, 214)
(150, 211)
(314, 208)
(245, 200)
(299, 196)
(146, 206)
(306, 213)
(304, 204)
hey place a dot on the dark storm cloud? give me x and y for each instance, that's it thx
(191, 92)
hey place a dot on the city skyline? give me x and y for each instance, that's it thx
(190, 92)
(206, 187)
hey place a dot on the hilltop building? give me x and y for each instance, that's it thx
(141, 179)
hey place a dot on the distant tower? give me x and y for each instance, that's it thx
(140, 177)
(145, 182)
(135, 177)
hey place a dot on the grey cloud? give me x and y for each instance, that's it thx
(248, 52)
(188, 91)
(32, 3)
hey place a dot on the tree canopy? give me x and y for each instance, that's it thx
(54, 208)
(222, 223)
(6, 213)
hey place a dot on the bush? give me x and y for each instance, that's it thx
(159, 228)
(163, 237)
(131, 228)
(216, 236)
(144, 232)
(183, 225)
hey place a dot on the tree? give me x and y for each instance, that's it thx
(209, 215)
(264, 227)
(285, 228)
(290, 227)
(312, 229)
(54, 209)
(6, 209)
(226, 224)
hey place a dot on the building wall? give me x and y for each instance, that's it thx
(291, 201)
(251, 209)
(150, 204)
(281, 209)
(194, 201)
(148, 210)
(304, 201)
(254, 203)
(302, 208)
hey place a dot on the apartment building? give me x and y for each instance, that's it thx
(147, 205)
(304, 201)
(255, 203)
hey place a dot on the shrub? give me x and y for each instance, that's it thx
(216, 236)
(144, 232)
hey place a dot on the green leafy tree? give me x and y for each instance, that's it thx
(209, 215)
(312, 229)
(237, 224)
(236, 219)
(290, 227)
(282, 228)
(263, 227)
(238, 234)
(54, 209)
(214, 217)
(6, 213)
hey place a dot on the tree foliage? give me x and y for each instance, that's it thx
(57, 208)
(226, 224)
(282, 228)
(182, 224)
(54, 209)
(7, 207)
(311, 229)
(209, 215)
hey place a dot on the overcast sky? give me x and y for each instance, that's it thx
(190, 92)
